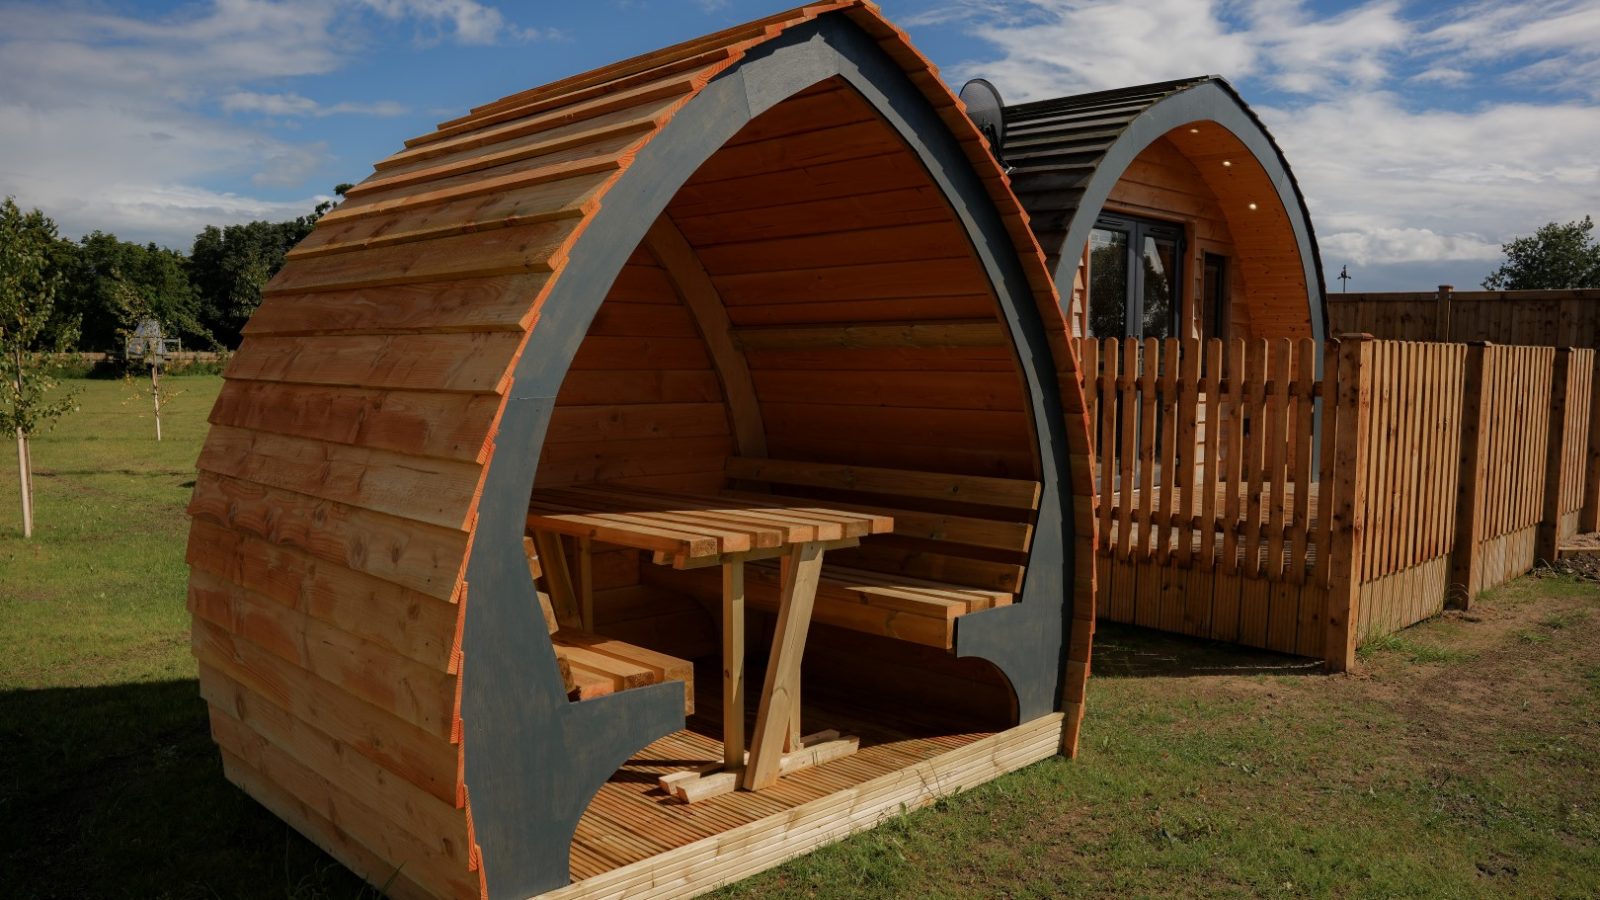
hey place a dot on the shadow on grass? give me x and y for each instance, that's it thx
(1123, 651)
(118, 791)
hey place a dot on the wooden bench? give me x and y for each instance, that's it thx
(959, 545)
(593, 665)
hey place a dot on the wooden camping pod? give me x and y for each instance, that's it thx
(778, 257)
(1188, 154)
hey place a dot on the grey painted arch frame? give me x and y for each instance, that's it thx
(533, 760)
(1205, 102)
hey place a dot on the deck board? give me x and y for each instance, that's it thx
(632, 819)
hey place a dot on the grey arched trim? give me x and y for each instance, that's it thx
(533, 760)
(1205, 102)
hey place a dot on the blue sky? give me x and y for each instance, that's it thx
(1425, 134)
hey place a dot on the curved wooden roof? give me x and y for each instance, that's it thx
(1057, 147)
(339, 488)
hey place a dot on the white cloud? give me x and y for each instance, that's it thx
(292, 104)
(468, 21)
(108, 121)
(1392, 180)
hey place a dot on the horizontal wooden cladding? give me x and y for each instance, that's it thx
(848, 244)
(500, 303)
(850, 178)
(930, 389)
(591, 388)
(431, 763)
(420, 423)
(892, 359)
(498, 251)
(934, 278)
(1002, 492)
(422, 696)
(617, 318)
(967, 429)
(408, 553)
(549, 202)
(576, 424)
(603, 352)
(413, 624)
(623, 460)
(330, 837)
(885, 310)
(618, 123)
(440, 492)
(853, 336)
(799, 151)
(467, 362)
(871, 209)
(430, 835)
(536, 122)
(607, 155)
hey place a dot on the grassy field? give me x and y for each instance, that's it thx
(1464, 761)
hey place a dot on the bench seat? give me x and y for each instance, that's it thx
(600, 665)
(909, 609)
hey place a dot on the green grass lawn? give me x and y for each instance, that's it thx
(1463, 761)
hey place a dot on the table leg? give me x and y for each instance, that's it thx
(586, 583)
(559, 579)
(733, 663)
(780, 694)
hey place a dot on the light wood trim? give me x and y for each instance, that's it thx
(704, 303)
(780, 694)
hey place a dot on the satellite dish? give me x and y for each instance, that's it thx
(987, 111)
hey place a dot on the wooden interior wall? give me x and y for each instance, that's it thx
(869, 328)
(1162, 184)
(1182, 178)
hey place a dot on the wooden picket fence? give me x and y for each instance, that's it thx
(1244, 497)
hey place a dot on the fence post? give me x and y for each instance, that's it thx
(1465, 557)
(1549, 534)
(1346, 502)
(1441, 312)
(1589, 517)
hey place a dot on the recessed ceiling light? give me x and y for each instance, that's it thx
(1227, 163)
(1194, 131)
(1252, 206)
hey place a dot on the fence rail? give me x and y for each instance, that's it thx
(1242, 497)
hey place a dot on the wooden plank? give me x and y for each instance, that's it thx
(1212, 479)
(422, 557)
(1188, 445)
(419, 423)
(439, 492)
(1128, 426)
(1149, 403)
(1278, 436)
(1110, 416)
(499, 303)
(849, 335)
(1001, 492)
(1349, 513)
(470, 362)
(1168, 429)
(1305, 449)
(1234, 449)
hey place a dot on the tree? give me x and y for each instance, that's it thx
(1553, 258)
(113, 284)
(229, 266)
(28, 286)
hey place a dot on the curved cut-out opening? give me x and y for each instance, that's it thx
(809, 297)
(1239, 271)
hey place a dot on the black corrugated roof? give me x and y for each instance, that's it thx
(1055, 146)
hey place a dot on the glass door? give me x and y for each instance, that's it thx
(1135, 277)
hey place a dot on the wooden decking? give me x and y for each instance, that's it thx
(632, 819)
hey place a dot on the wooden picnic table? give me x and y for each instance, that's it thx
(727, 529)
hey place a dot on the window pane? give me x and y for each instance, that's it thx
(1108, 283)
(1214, 304)
(1159, 258)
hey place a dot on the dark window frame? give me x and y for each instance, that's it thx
(1215, 274)
(1138, 228)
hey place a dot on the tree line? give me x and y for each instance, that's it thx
(104, 285)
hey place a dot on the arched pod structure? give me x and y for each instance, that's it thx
(1187, 152)
(781, 241)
